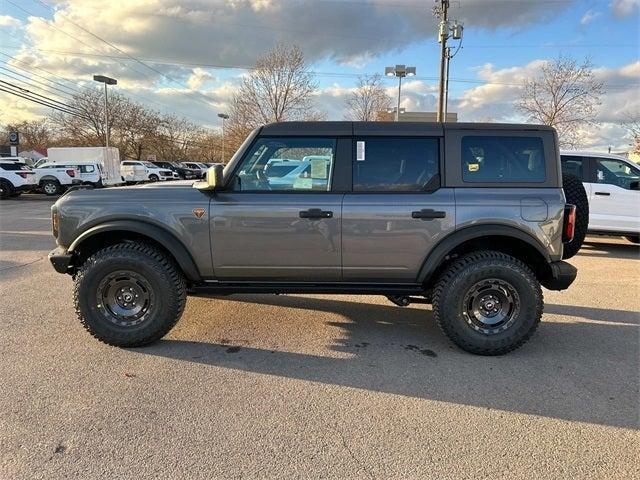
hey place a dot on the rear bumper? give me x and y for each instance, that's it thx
(60, 259)
(560, 276)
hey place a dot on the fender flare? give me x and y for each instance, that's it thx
(49, 177)
(165, 238)
(453, 240)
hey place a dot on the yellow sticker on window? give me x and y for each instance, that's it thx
(474, 167)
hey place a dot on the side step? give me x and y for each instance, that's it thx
(353, 288)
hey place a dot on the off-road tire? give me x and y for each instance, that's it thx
(51, 187)
(154, 178)
(633, 238)
(165, 281)
(460, 277)
(6, 189)
(576, 195)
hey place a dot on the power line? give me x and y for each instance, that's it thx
(47, 89)
(46, 104)
(26, 91)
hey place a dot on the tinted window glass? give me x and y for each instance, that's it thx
(13, 166)
(616, 172)
(87, 168)
(574, 165)
(310, 161)
(503, 159)
(394, 164)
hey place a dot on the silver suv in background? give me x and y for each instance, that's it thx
(471, 218)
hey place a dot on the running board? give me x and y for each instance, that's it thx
(353, 288)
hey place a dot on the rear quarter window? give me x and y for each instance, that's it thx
(503, 159)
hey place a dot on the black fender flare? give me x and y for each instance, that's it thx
(165, 238)
(453, 240)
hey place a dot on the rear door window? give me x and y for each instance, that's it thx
(394, 164)
(503, 159)
(575, 165)
(616, 172)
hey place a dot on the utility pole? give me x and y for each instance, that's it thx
(443, 35)
(445, 32)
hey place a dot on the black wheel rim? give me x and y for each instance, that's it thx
(125, 298)
(491, 306)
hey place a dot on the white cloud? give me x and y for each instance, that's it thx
(624, 8)
(494, 101)
(199, 77)
(9, 21)
(589, 16)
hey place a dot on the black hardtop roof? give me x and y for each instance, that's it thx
(347, 128)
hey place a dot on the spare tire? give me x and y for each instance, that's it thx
(576, 195)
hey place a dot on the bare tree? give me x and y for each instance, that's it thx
(565, 95)
(34, 134)
(279, 88)
(369, 101)
(632, 123)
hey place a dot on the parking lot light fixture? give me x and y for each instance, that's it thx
(224, 117)
(399, 71)
(106, 81)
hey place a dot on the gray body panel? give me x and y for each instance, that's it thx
(536, 211)
(168, 206)
(380, 239)
(261, 236)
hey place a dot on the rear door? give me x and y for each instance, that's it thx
(614, 206)
(396, 211)
(281, 227)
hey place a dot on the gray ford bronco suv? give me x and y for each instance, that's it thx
(471, 218)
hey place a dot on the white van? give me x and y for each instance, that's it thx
(108, 160)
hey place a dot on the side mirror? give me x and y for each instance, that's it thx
(212, 179)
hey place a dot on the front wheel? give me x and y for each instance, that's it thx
(153, 177)
(488, 303)
(6, 189)
(129, 294)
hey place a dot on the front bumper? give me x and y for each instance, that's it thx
(560, 276)
(61, 260)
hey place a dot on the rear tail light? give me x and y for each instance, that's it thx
(71, 173)
(569, 226)
(55, 223)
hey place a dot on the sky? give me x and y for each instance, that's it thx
(187, 57)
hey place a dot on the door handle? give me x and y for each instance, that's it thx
(604, 194)
(316, 213)
(428, 214)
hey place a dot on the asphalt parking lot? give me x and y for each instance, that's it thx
(314, 386)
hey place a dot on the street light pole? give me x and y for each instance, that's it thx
(399, 71)
(106, 81)
(224, 117)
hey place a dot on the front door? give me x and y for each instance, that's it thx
(613, 204)
(280, 218)
(395, 213)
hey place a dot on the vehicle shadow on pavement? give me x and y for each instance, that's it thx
(569, 370)
(610, 250)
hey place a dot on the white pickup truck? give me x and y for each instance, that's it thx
(53, 179)
(612, 184)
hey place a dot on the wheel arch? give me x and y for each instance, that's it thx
(500, 238)
(117, 231)
(48, 177)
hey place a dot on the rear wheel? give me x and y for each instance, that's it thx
(129, 294)
(51, 187)
(6, 189)
(576, 195)
(488, 303)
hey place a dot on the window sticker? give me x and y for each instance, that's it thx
(303, 183)
(318, 168)
(360, 151)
